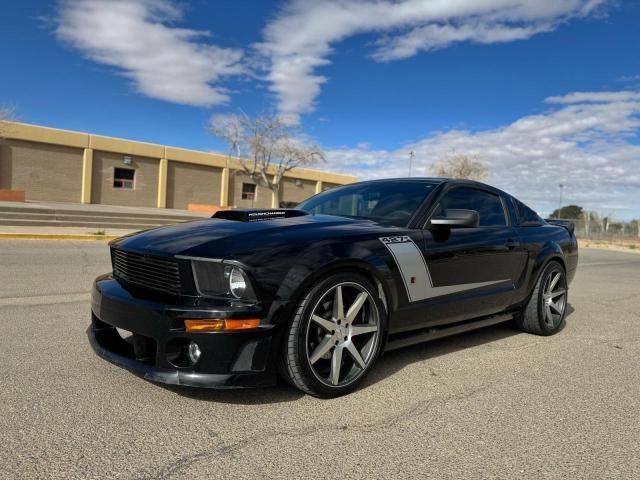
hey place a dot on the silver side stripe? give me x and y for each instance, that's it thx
(415, 273)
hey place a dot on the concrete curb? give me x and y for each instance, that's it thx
(55, 236)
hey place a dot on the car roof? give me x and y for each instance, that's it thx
(437, 181)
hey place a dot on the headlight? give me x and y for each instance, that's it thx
(214, 279)
(237, 282)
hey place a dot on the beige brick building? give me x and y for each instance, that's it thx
(65, 166)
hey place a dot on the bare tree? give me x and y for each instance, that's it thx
(460, 165)
(587, 216)
(635, 227)
(596, 223)
(266, 147)
(606, 223)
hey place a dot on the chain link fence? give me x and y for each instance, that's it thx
(603, 230)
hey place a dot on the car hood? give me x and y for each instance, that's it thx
(219, 238)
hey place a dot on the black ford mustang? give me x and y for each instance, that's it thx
(317, 293)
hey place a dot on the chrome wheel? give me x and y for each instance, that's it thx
(342, 334)
(554, 298)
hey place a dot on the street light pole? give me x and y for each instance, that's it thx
(411, 154)
(560, 202)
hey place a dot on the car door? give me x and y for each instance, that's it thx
(471, 272)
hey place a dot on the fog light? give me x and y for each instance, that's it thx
(194, 352)
(182, 353)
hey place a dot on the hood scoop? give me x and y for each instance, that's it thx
(258, 214)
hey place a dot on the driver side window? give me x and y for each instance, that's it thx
(488, 205)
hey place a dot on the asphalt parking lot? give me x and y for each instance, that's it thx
(493, 403)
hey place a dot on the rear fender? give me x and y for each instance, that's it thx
(550, 251)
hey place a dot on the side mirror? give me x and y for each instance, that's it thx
(457, 218)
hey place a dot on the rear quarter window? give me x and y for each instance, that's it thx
(526, 216)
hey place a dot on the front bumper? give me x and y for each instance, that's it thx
(228, 359)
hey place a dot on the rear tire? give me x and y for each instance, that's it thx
(335, 336)
(546, 309)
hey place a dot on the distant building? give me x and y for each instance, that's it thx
(65, 166)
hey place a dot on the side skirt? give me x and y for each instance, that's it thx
(418, 336)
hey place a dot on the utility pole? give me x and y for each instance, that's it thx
(411, 155)
(560, 202)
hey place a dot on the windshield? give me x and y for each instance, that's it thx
(392, 202)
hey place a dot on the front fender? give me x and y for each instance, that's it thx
(321, 260)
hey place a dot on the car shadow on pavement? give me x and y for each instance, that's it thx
(394, 361)
(389, 364)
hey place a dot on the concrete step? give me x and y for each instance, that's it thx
(95, 213)
(123, 219)
(90, 225)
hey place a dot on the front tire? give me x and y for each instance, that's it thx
(545, 312)
(335, 336)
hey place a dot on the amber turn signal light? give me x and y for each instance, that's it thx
(219, 325)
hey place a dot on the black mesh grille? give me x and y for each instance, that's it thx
(156, 273)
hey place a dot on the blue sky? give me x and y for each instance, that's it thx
(543, 93)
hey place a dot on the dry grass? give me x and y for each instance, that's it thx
(627, 245)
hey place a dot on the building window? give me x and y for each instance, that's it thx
(248, 191)
(123, 178)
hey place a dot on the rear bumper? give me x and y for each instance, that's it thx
(228, 359)
(571, 260)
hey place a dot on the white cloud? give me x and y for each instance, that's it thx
(303, 34)
(588, 142)
(433, 37)
(139, 38)
(595, 97)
